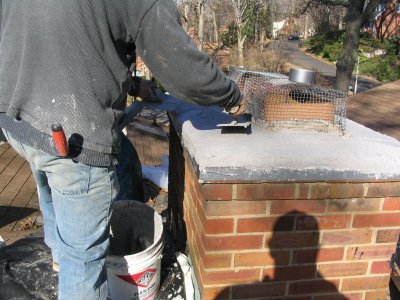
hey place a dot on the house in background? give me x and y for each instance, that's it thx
(276, 27)
(385, 21)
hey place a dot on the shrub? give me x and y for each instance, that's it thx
(393, 46)
(272, 58)
(327, 45)
(384, 68)
(332, 51)
(229, 37)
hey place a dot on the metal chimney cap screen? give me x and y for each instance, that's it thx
(277, 103)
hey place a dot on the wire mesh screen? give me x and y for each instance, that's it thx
(277, 103)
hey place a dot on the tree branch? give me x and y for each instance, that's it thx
(367, 13)
(344, 3)
(305, 8)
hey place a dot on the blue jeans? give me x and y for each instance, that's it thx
(75, 200)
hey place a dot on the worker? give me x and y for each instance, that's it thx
(64, 79)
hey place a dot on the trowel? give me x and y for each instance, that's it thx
(241, 121)
(237, 124)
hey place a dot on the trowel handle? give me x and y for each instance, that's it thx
(59, 139)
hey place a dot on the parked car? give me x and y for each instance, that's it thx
(293, 37)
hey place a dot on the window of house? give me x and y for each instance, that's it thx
(382, 7)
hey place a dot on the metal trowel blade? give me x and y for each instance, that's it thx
(243, 121)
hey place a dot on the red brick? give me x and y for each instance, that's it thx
(346, 190)
(268, 224)
(231, 276)
(357, 204)
(314, 191)
(222, 260)
(304, 190)
(377, 220)
(187, 178)
(188, 214)
(340, 296)
(280, 190)
(330, 190)
(317, 255)
(196, 223)
(215, 226)
(193, 239)
(387, 236)
(365, 283)
(313, 286)
(347, 237)
(214, 261)
(249, 192)
(240, 242)
(218, 226)
(197, 198)
(370, 252)
(323, 222)
(305, 206)
(289, 273)
(190, 223)
(380, 267)
(197, 195)
(258, 290)
(191, 173)
(189, 200)
(377, 295)
(392, 203)
(292, 240)
(217, 191)
(196, 202)
(266, 191)
(343, 269)
(383, 189)
(262, 259)
(235, 208)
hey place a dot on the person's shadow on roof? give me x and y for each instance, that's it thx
(294, 272)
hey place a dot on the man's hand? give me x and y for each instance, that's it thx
(149, 92)
(238, 110)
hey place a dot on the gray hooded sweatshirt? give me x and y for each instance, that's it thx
(66, 62)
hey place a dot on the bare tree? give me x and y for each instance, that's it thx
(192, 12)
(282, 9)
(357, 14)
(239, 9)
(214, 21)
(200, 12)
(326, 18)
(260, 18)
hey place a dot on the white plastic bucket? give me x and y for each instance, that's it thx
(134, 276)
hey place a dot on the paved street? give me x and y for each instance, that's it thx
(326, 71)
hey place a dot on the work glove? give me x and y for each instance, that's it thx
(149, 92)
(239, 109)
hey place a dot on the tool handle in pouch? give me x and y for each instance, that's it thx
(59, 139)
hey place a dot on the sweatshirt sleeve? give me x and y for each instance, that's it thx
(173, 58)
(1, 15)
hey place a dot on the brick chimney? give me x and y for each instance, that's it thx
(277, 215)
